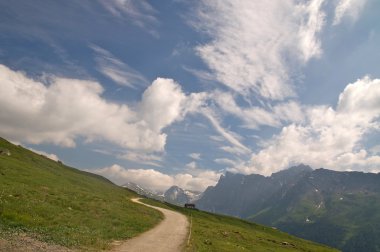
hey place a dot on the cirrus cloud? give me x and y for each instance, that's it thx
(349, 8)
(252, 43)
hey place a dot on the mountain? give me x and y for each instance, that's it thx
(46, 200)
(179, 196)
(174, 195)
(143, 191)
(213, 232)
(241, 195)
(44, 203)
(340, 209)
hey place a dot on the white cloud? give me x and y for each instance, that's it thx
(254, 43)
(254, 116)
(198, 182)
(216, 138)
(49, 155)
(140, 13)
(330, 138)
(117, 70)
(235, 150)
(311, 26)
(349, 8)
(69, 108)
(196, 156)
(229, 162)
(162, 104)
(200, 74)
(147, 178)
(157, 181)
(290, 111)
(230, 136)
(143, 158)
(375, 149)
(192, 165)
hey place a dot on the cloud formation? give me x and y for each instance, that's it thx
(116, 70)
(330, 138)
(67, 109)
(141, 13)
(253, 43)
(255, 116)
(48, 155)
(157, 181)
(195, 156)
(349, 8)
(229, 136)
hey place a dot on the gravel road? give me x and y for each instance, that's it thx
(168, 236)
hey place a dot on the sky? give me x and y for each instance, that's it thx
(179, 92)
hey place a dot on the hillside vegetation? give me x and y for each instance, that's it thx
(51, 202)
(57, 204)
(212, 232)
(339, 209)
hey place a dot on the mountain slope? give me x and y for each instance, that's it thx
(51, 202)
(55, 203)
(179, 196)
(241, 195)
(341, 209)
(212, 232)
(143, 191)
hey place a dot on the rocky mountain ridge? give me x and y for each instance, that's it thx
(340, 209)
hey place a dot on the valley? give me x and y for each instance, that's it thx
(49, 205)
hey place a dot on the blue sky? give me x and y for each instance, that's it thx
(179, 92)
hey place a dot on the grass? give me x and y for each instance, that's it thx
(58, 204)
(348, 221)
(211, 232)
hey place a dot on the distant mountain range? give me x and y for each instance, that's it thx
(48, 206)
(340, 209)
(143, 191)
(174, 195)
(179, 196)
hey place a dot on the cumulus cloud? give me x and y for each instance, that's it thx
(116, 70)
(348, 8)
(157, 181)
(49, 155)
(162, 104)
(330, 138)
(67, 109)
(252, 43)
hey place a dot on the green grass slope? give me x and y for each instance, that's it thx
(211, 232)
(58, 204)
(345, 216)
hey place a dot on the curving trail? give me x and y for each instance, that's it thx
(168, 236)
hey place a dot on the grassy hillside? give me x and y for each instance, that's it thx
(349, 222)
(55, 203)
(212, 232)
(345, 214)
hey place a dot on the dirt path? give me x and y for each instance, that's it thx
(25, 243)
(168, 236)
